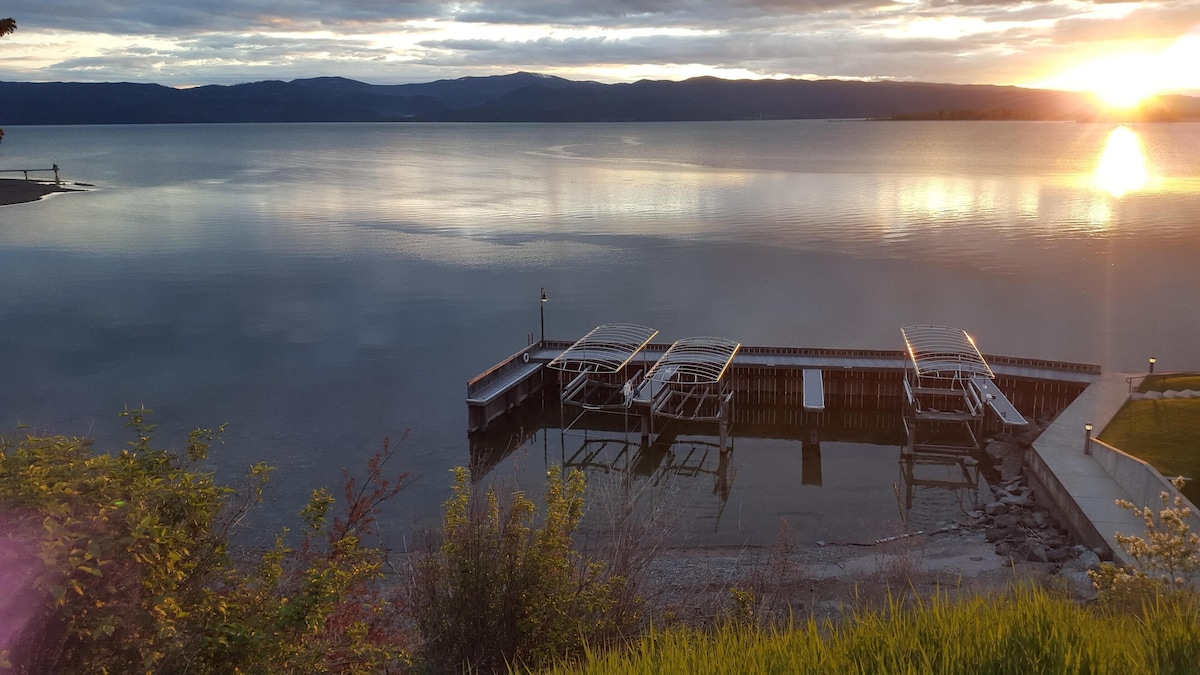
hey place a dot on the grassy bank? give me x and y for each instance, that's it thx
(1025, 631)
(1170, 382)
(1165, 433)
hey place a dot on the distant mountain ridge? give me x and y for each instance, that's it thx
(530, 97)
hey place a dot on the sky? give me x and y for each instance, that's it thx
(1141, 46)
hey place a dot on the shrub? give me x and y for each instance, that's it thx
(120, 562)
(1166, 557)
(503, 589)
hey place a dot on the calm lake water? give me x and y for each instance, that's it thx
(320, 287)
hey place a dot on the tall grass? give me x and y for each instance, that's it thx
(1023, 632)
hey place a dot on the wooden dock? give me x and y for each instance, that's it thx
(771, 379)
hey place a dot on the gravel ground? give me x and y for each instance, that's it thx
(694, 585)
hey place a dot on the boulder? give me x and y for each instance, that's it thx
(1033, 552)
(1079, 582)
(1028, 435)
(1006, 521)
(1010, 466)
(1000, 449)
(1058, 554)
(1089, 560)
(1015, 500)
(995, 509)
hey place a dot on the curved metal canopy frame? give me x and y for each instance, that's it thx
(605, 349)
(695, 360)
(942, 351)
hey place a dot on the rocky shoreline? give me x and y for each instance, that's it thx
(1008, 537)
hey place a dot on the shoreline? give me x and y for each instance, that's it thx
(18, 191)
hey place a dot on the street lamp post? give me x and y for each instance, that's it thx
(1087, 438)
(1152, 360)
(542, 315)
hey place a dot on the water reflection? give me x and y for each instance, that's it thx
(1122, 167)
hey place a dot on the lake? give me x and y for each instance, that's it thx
(320, 287)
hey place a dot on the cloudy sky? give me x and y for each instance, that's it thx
(1077, 44)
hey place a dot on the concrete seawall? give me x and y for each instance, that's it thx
(1083, 488)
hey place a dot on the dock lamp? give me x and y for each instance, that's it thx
(1152, 360)
(542, 315)
(1087, 438)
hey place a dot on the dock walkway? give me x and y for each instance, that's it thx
(1078, 483)
(800, 358)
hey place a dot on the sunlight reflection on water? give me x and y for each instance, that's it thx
(1122, 166)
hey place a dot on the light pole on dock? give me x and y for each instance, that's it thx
(1087, 438)
(542, 315)
(1152, 360)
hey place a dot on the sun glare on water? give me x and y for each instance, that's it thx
(1122, 167)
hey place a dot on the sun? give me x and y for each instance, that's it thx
(1119, 80)
(1125, 79)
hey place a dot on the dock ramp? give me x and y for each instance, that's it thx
(814, 389)
(995, 399)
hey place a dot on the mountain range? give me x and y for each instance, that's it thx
(530, 97)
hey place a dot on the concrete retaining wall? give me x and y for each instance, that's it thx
(1054, 495)
(1142, 482)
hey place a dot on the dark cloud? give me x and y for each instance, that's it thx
(134, 17)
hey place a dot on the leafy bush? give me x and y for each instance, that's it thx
(1166, 557)
(120, 562)
(503, 589)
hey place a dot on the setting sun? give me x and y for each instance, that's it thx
(1126, 79)
(1119, 80)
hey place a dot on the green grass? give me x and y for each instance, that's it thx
(1026, 631)
(1177, 382)
(1165, 433)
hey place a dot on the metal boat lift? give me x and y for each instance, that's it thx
(690, 382)
(949, 391)
(604, 370)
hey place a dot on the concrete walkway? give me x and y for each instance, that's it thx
(1084, 487)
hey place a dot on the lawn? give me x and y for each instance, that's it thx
(1176, 382)
(1165, 433)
